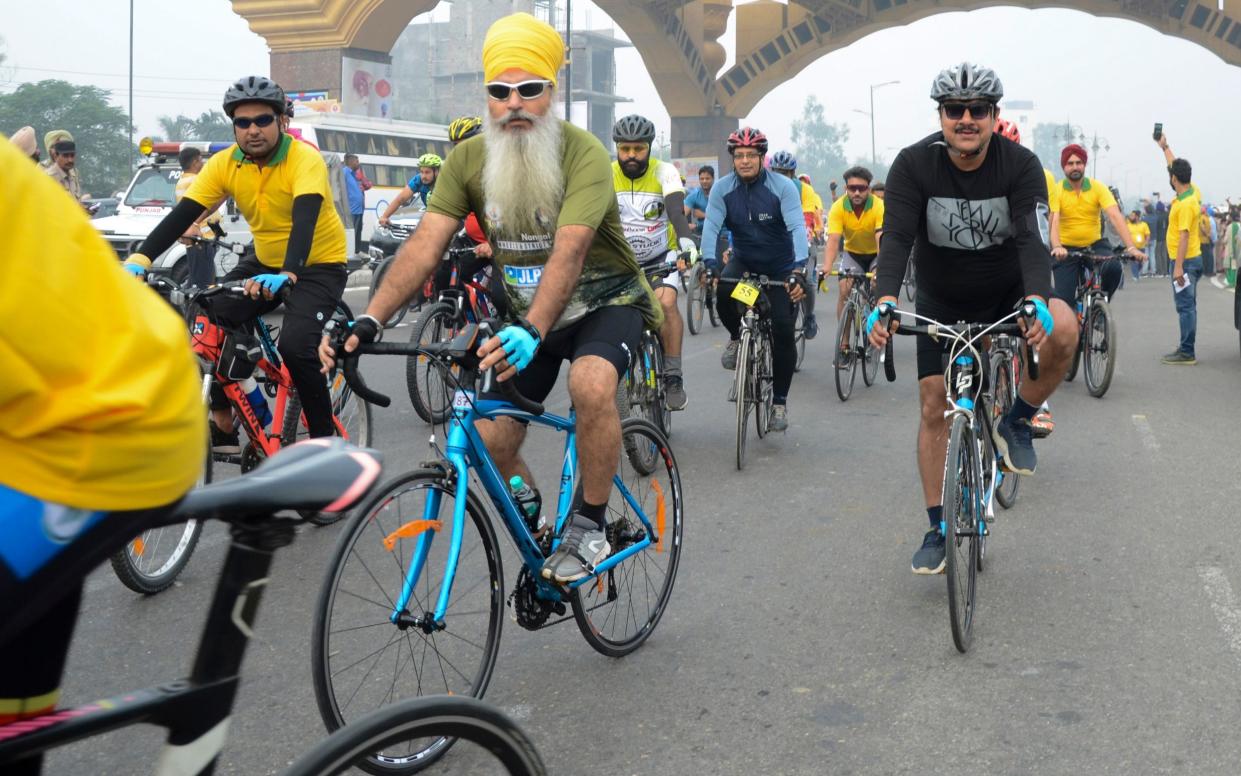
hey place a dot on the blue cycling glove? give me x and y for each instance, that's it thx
(272, 283)
(1044, 315)
(137, 270)
(880, 309)
(520, 346)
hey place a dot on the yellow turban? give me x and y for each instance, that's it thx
(523, 42)
(54, 137)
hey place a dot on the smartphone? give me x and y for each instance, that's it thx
(1158, 130)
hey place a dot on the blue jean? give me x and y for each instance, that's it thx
(1187, 305)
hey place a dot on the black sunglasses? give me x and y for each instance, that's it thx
(857, 189)
(266, 120)
(955, 111)
(527, 90)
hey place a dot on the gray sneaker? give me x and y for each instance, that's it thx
(929, 559)
(583, 547)
(674, 392)
(779, 417)
(728, 359)
(1179, 358)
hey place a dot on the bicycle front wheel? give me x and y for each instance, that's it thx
(799, 334)
(619, 610)
(364, 653)
(869, 354)
(632, 391)
(429, 390)
(845, 360)
(695, 300)
(1099, 348)
(763, 382)
(961, 531)
(744, 391)
(153, 560)
(499, 746)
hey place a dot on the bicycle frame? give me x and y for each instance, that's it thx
(466, 451)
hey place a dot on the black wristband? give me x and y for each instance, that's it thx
(530, 328)
(367, 329)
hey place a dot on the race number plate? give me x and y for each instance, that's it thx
(745, 293)
(461, 401)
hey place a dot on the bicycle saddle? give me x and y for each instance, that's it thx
(323, 475)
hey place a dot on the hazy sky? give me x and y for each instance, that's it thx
(1106, 75)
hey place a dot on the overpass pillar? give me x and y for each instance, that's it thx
(701, 135)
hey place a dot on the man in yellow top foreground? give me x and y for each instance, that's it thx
(101, 420)
(571, 286)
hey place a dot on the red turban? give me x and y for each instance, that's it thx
(1073, 149)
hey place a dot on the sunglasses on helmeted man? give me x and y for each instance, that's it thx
(527, 90)
(259, 121)
(955, 111)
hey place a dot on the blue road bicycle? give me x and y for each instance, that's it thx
(413, 599)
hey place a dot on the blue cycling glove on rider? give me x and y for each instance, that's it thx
(137, 270)
(271, 282)
(1043, 315)
(880, 309)
(520, 341)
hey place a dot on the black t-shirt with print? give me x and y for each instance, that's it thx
(977, 234)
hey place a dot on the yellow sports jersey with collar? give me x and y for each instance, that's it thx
(101, 399)
(643, 212)
(1140, 232)
(1183, 216)
(1053, 191)
(265, 198)
(1080, 211)
(859, 231)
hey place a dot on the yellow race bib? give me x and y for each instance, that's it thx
(745, 293)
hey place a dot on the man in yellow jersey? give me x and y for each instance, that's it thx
(1082, 200)
(651, 199)
(281, 188)
(1185, 253)
(101, 421)
(856, 222)
(1140, 231)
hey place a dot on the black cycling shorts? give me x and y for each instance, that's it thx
(611, 333)
(932, 355)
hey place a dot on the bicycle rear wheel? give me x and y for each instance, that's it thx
(1099, 348)
(619, 610)
(744, 390)
(429, 390)
(695, 299)
(499, 745)
(961, 531)
(845, 360)
(632, 392)
(363, 660)
(153, 560)
(1005, 391)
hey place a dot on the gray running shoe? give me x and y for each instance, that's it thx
(929, 559)
(728, 359)
(583, 547)
(674, 392)
(1179, 359)
(779, 417)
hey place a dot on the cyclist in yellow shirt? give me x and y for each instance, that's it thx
(101, 422)
(856, 222)
(281, 187)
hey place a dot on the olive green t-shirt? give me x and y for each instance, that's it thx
(610, 275)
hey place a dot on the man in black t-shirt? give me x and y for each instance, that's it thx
(974, 205)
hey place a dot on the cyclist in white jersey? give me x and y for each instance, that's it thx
(651, 197)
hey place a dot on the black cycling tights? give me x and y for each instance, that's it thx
(784, 346)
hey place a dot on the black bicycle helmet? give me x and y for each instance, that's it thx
(967, 82)
(783, 160)
(633, 129)
(255, 88)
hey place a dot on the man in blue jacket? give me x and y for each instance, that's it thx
(763, 212)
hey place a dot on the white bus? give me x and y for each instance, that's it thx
(387, 149)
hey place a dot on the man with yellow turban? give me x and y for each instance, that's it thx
(61, 164)
(569, 282)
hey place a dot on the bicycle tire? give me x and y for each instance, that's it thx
(335, 628)
(658, 412)
(429, 392)
(1004, 389)
(377, 278)
(870, 354)
(844, 363)
(764, 384)
(630, 392)
(441, 716)
(741, 379)
(130, 570)
(1077, 358)
(911, 289)
(961, 531)
(1099, 321)
(712, 313)
(799, 334)
(695, 300)
(619, 582)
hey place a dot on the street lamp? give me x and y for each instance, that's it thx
(874, 157)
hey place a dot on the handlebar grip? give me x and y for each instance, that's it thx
(889, 366)
(359, 386)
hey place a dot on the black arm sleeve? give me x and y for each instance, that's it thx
(1031, 227)
(675, 205)
(902, 213)
(166, 232)
(302, 234)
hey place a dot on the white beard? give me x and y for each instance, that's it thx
(522, 182)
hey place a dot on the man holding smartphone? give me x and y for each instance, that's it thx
(1184, 251)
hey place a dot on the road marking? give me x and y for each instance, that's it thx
(1144, 430)
(1224, 604)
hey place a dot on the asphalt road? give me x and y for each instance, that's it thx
(797, 641)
